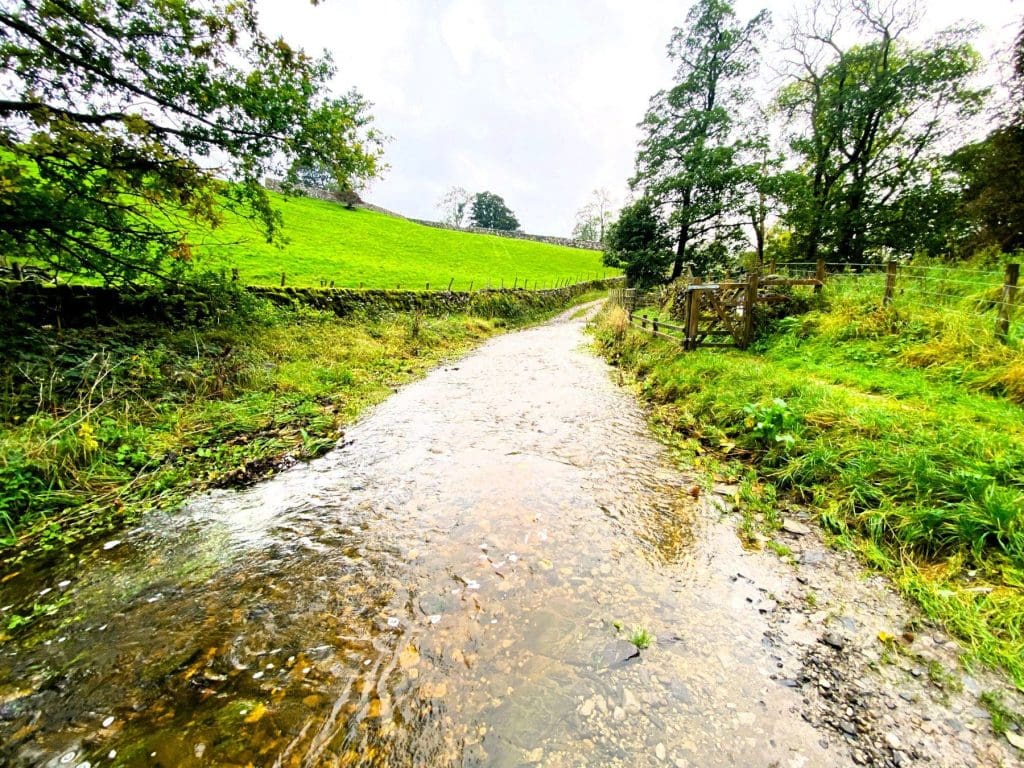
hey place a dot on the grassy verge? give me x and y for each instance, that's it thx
(99, 425)
(901, 427)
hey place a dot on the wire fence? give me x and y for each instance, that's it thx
(988, 295)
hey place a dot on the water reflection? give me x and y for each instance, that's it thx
(447, 589)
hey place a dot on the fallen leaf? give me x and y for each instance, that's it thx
(257, 713)
(409, 657)
(1016, 739)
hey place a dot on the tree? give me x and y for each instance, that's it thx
(639, 243)
(688, 158)
(593, 218)
(991, 172)
(490, 212)
(870, 119)
(454, 207)
(125, 123)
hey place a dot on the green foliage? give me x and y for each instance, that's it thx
(641, 638)
(910, 443)
(867, 121)
(116, 108)
(638, 243)
(489, 211)
(771, 423)
(689, 157)
(993, 198)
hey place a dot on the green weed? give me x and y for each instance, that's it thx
(641, 638)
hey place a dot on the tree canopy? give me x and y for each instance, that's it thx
(867, 121)
(124, 123)
(688, 161)
(489, 211)
(638, 243)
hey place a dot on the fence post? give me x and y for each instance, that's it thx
(282, 279)
(749, 301)
(643, 322)
(1008, 299)
(819, 273)
(16, 270)
(890, 282)
(692, 317)
(234, 274)
(654, 324)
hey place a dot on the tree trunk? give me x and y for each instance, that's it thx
(677, 265)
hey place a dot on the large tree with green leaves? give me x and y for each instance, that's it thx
(490, 212)
(638, 242)
(868, 123)
(122, 124)
(689, 157)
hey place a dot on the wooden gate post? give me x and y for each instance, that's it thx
(819, 273)
(1008, 299)
(890, 283)
(692, 318)
(749, 302)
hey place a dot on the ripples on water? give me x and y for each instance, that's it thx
(440, 591)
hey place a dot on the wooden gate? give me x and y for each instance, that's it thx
(719, 314)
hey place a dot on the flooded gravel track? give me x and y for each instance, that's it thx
(444, 589)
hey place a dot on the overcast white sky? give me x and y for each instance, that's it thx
(535, 100)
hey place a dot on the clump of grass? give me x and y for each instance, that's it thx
(1003, 718)
(641, 638)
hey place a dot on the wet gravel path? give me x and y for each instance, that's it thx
(455, 585)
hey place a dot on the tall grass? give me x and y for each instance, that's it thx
(908, 438)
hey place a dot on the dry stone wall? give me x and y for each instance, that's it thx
(568, 242)
(76, 306)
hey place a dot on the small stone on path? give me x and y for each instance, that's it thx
(794, 527)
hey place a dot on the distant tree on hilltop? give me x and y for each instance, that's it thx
(489, 211)
(592, 219)
(454, 206)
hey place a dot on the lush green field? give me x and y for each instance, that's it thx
(901, 427)
(326, 241)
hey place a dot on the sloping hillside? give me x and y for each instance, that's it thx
(326, 241)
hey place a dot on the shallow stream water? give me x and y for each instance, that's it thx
(452, 586)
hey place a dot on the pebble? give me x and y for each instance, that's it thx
(619, 713)
(588, 708)
(659, 751)
(109, 721)
(111, 544)
(794, 527)
(835, 640)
